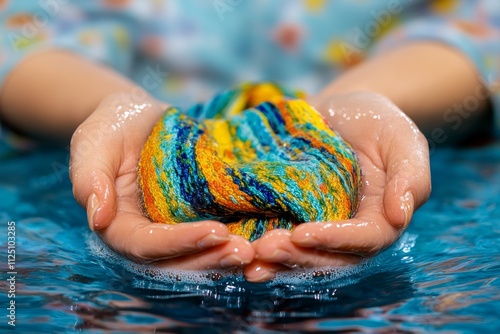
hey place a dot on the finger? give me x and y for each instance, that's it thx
(408, 176)
(237, 252)
(262, 271)
(275, 252)
(259, 271)
(137, 238)
(364, 235)
(108, 143)
(93, 169)
(277, 247)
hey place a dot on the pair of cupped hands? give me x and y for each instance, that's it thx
(391, 150)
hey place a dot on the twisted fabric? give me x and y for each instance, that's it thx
(255, 158)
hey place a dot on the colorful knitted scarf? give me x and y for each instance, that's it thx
(256, 158)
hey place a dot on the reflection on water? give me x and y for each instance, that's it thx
(442, 276)
(231, 304)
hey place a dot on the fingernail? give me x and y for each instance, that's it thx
(92, 207)
(231, 260)
(212, 240)
(304, 240)
(263, 276)
(407, 203)
(279, 255)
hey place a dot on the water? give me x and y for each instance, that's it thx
(441, 276)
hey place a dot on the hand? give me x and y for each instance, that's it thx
(105, 150)
(394, 160)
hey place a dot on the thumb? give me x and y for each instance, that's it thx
(408, 179)
(93, 170)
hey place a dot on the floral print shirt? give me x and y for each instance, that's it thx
(183, 51)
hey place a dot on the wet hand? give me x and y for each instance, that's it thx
(105, 151)
(394, 160)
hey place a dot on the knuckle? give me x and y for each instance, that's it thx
(139, 254)
(370, 250)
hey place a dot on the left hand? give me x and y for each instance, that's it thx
(105, 151)
(394, 159)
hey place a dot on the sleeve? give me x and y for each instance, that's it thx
(87, 28)
(90, 29)
(471, 26)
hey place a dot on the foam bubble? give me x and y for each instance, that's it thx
(152, 272)
(339, 276)
(342, 276)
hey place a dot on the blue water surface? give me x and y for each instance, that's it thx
(441, 276)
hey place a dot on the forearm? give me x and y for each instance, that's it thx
(50, 93)
(436, 85)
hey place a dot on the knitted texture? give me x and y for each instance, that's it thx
(255, 158)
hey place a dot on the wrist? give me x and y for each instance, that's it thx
(64, 90)
(424, 79)
(364, 79)
(134, 107)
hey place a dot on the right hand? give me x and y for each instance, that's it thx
(105, 151)
(394, 159)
